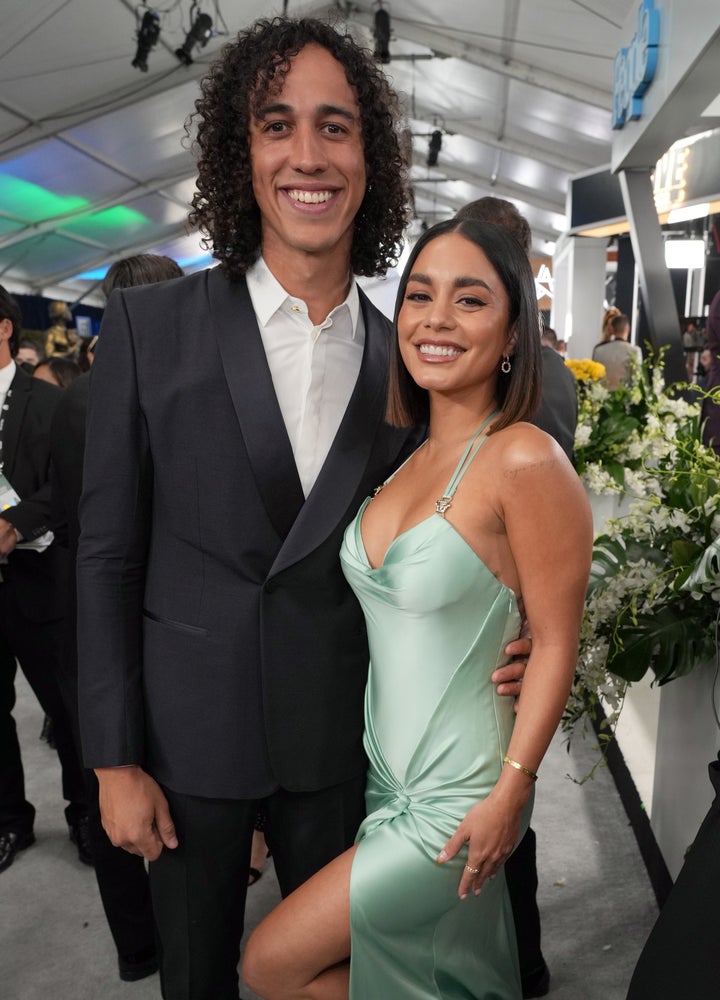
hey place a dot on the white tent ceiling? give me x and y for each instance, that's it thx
(92, 161)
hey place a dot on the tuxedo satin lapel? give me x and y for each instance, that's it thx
(14, 415)
(347, 460)
(253, 396)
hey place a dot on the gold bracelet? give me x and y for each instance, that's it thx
(520, 767)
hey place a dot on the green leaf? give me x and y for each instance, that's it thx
(616, 470)
(668, 640)
(707, 569)
(684, 552)
(609, 559)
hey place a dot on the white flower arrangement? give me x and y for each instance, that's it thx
(654, 592)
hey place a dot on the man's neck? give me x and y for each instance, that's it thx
(321, 281)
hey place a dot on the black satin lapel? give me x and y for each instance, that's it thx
(347, 460)
(14, 415)
(253, 395)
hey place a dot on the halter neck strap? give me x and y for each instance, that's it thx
(467, 456)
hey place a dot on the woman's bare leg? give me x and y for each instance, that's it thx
(300, 951)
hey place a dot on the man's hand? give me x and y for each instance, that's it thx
(135, 813)
(509, 678)
(8, 537)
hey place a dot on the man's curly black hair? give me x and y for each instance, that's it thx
(250, 68)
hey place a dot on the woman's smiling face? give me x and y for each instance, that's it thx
(453, 325)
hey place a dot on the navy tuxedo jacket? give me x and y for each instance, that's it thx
(219, 644)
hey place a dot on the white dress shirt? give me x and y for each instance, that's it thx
(7, 374)
(314, 368)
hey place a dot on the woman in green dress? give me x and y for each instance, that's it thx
(486, 510)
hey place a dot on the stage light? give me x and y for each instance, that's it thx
(147, 37)
(199, 34)
(381, 33)
(434, 148)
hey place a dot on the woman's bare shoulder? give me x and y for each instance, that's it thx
(522, 446)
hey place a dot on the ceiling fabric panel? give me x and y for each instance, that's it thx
(93, 158)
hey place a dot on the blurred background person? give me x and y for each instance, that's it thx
(29, 354)
(32, 573)
(710, 409)
(557, 415)
(617, 355)
(58, 371)
(121, 877)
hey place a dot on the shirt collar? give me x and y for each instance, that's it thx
(268, 296)
(7, 374)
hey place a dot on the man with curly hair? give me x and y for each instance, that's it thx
(235, 425)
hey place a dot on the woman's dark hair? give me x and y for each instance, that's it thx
(518, 392)
(142, 269)
(63, 370)
(9, 309)
(252, 67)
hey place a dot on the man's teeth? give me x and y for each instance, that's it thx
(443, 352)
(311, 197)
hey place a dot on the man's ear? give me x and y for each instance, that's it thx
(6, 329)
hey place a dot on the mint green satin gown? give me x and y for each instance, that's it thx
(435, 736)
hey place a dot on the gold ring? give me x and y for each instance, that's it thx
(473, 871)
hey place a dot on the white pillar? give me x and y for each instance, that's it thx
(579, 265)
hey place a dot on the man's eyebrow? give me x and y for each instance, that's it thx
(322, 110)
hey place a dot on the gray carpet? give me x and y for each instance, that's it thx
(596, 902)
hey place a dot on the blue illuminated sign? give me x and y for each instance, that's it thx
(635, 67)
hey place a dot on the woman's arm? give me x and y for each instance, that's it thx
(549, 532)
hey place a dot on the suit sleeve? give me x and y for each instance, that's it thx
(31, 516)
(115, 513)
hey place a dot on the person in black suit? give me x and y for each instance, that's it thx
(121, 877)
(235, 425)
(558, 410)
(31, 594)
(557, 416)
(681, 957)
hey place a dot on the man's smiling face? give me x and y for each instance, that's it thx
(308, 164)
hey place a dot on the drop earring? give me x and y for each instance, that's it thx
(506, 367)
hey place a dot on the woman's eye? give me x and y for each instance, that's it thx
(417, 297)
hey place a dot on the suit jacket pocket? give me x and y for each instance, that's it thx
(171, 623)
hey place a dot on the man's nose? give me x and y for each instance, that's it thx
(309, 154)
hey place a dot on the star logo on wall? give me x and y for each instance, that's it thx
(544, 282)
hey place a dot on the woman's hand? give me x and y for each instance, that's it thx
(491, 831)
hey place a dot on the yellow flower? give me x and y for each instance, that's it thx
(586, 370)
